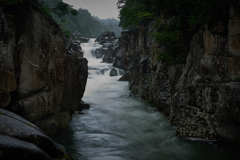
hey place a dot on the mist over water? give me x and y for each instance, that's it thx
(121, 127)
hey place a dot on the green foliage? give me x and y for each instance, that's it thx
(173, 44)
(46, 10)
(62, 9)
(133, 14)
(77, 21)
(191, 13)
(175, 20)
(74, 12)
(167, 37)
(67, 34)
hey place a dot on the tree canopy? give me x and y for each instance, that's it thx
(134, 12)
(175, 21)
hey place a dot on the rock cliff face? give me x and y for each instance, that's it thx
(200, 97)
(207, 94)
(148, 77)
(40, 80)
(36, 73)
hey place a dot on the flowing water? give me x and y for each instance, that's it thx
(121, 127)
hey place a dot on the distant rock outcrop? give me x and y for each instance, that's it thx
(109, 47)
(106, 37)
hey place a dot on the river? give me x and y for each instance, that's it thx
(121, 127)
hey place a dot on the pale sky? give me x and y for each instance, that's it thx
(99, 8)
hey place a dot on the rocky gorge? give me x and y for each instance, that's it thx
(44, 76)
(200, 96)
(40, 81)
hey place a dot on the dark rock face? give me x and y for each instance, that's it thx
(12, 148)
(76, 69)
(209, 88)
(148, 77)
(35, 68)
(21, 139)
(201, 97)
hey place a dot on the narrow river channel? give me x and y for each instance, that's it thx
(121, 127)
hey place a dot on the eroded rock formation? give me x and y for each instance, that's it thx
(34, 67)
(200, 97)
(40, 80)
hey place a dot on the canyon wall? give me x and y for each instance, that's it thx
(39, 81)
(201, 96)
(36, 71)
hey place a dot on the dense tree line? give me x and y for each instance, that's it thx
(176, 20)
(78, 21)
(134, 12)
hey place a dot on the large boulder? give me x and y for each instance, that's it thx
(12, 148)
(21, 139)
(109, 55)
(98, 53)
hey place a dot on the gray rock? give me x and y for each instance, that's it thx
(109, 55)
(28, 135)
(98, 53)
(113, 72)
(12, 148)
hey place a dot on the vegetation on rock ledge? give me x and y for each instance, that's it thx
(177, 20)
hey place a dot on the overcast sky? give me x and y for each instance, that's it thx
(100, 8)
